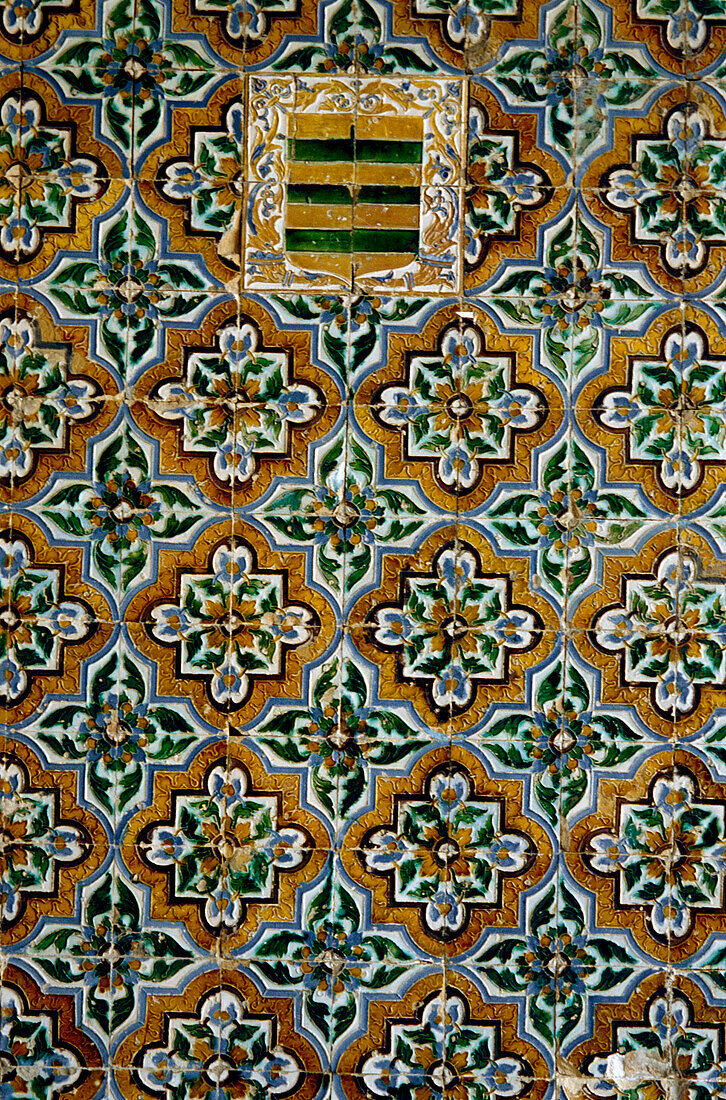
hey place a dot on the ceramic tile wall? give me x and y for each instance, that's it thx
(362, 549)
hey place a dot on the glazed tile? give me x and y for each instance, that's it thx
(362, 549)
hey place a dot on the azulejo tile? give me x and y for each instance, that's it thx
(230, 852)
(129, 67)
(341, 739)
(660, 409)
(29, 30)
(665, 1030)
(362, 549)
(50, 842)
(659, 847)
(119, 729)
(456, 404)
(511, 185)
(228, 1037)
(638, 189)
(231, 625)
(42, 1042)
(448, 1032)
(242, 404)
(56, 176)
(682, 39)
(131, 290)
(449, 853)
(449, 631)
(55, 397)
(657, 622)
(467, 35)
(361, 193)
(51, 620)
(562, 738)
(197, 178)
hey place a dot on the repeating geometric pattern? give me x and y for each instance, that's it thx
(362, 549)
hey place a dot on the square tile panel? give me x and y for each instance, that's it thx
(354, 178)
(362, 549)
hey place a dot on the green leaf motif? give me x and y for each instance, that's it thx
(112, 931)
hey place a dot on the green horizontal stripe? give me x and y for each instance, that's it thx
(317, 150)
(328, 194)
(385, 240)
(320, 194)
(318, 240)
(403, 196)
(343, 240)
(389, 152)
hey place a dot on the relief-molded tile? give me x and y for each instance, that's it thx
(457, 406)
(222, 1030)
(665, 1025)
(681, 39)
(179, 262)
(119, 731)
(463, 1032)
(637, 190)
(447, 851)
(52, 620)
(243, 34)
(557, 962)
(29, 32)
(652, 854)
(237, 403)
(54, 397)
(43, 1038)
(565, 520)
(647, 630)
(123, 510)
(52, 843)
(234, 617)
(131, 71)
(350, 333)
(198, 177)
(466, 36)
(112, 957)
(342, 740)
(511, 186)
(445, 627)
(660, 409)
(346, 525)
(205, 215)
(335, 964)
(361, 626)
(224, 847)
(562, 741)
(700, 42)
(57, 177)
